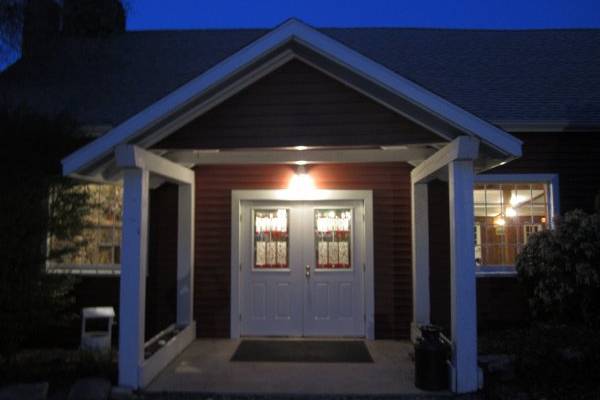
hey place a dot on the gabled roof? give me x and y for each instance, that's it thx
(292, 39)
(534, 76)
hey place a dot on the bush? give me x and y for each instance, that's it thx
(550, 361)
(560, 270)
(58, 367)
(31, 301)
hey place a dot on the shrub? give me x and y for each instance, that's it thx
(550, 361)
(30, 300)
(560, 270)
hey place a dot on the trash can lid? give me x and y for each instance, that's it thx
(98, 312)
(430, 328)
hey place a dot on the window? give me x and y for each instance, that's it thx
(99, 244)
(333, 238)
(271, 239)
(508, 210)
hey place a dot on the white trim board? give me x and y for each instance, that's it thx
(291, 30)
(237, 196)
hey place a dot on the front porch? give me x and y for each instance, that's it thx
(205, 367)
(295, 97)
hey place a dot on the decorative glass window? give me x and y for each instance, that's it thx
(506, 215)
(99, 244)
(333, 238)
(271, 239)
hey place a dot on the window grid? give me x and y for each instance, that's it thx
(506, 215)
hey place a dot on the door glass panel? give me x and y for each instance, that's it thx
(271, 238)
(333, 238)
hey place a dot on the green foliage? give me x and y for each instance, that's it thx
(561, 270)
(550, 361)
(59, 367)
(30, 299)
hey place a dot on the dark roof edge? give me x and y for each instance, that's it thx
(404, 28)
(547, 126)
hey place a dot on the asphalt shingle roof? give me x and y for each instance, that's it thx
(527, 75)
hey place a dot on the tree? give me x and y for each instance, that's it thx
(11, 26)
(26, 22)
(30, 160)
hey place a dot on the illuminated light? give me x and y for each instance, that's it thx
(301, 162)
(516, 199)
(503, 163)
(301, 185)
(500, 221)
(300, 148)
(394, 147)
(543, 220)
(511, 212)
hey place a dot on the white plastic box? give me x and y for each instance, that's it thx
(94, 338)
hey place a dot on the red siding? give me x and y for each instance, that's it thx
(572, 155)
(297, 105)
(390, 185)
(161, 283)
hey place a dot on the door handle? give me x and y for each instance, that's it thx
(307, 270)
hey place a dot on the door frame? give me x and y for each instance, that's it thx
(365, 196)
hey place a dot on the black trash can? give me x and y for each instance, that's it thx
(431, 353)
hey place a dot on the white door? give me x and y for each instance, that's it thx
(334, 273)
(302, 271)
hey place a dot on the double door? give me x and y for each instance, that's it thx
(302, 270)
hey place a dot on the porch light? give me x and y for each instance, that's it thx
(499, 221)
(301, 183)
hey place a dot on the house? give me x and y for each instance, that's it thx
(300, 181)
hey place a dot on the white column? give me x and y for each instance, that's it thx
(420, 257)
(185, 254)
(134, 249)
(463, 284)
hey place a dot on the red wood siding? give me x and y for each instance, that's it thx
(161, 283)
(439, 254)
(390, 185)
(297, 105)
(572, 155)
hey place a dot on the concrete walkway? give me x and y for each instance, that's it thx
(204, 367)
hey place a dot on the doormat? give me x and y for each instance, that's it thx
(319, 351)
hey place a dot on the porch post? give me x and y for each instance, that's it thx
(134, 247)
(420, 257)
(185, 254)
(463, 283)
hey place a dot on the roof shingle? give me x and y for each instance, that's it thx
(501, 76)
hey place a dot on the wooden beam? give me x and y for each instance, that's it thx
(191, 157)
(130, 156)
(461, 148)
(420, 258)
(133, 276)
(185, 255)
(463, 297)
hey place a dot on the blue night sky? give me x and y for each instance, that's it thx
(493, 14)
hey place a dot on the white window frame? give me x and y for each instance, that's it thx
(550, 180)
